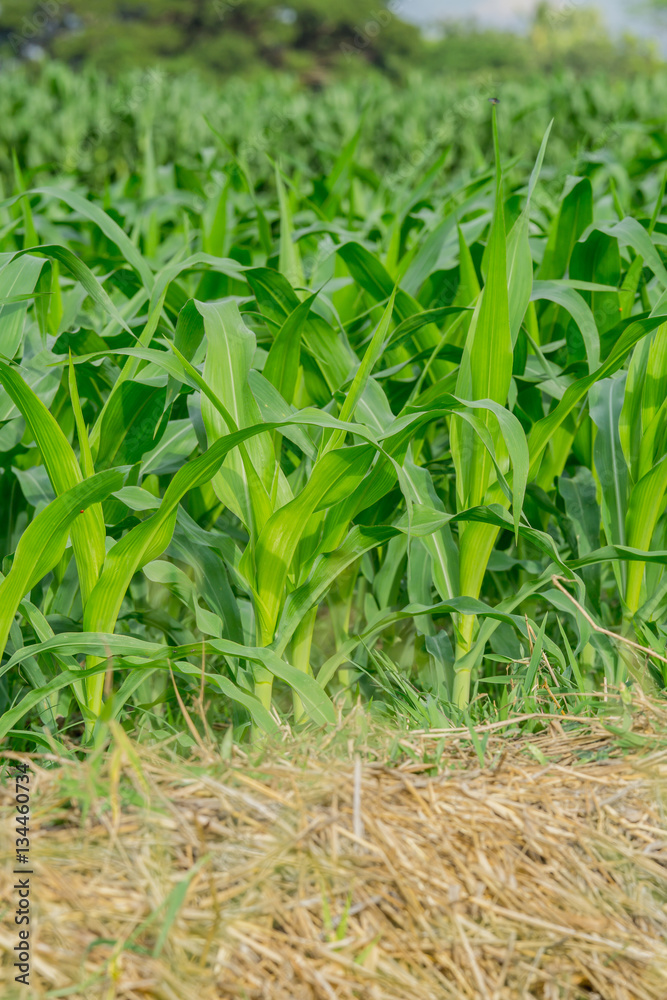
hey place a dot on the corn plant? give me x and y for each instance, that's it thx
(292, 435)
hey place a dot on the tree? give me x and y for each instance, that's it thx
(222, 36)
(563, 35)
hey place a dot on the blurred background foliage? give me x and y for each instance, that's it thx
(317, 39)
(101, 130)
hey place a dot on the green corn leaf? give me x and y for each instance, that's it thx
(645, 507)
(105, 223)
(575, 305)
(519, 257)
(486, 369)
(535, 658)
(146, 541)
(18, 280)
(180, 584)
(290, 258)
(467, 606)
(333, 478)
(275, 409)
(88, 533)
(85, 456)
(619, 553)
(245, 483)
(363, 373)
(630, 233)
(406, 330)
(43, 542)
(598, 260)
(327, 569)
(278, 300)
(575, 215)
(102, 646)
(282, 364)
(426, 259)
(544, 430)
(314, 700)
(605, 402)
(83, 275)
(130, 425)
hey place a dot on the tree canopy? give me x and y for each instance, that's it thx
(316, 38)
(223, 36)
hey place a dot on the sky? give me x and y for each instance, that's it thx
(620, 14)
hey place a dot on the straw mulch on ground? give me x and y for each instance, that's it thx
(323, 873)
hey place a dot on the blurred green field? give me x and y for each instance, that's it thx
(94, 130)
(308, 397)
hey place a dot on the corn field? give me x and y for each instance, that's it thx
(338, 405)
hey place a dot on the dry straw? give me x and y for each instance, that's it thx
(540, 876)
